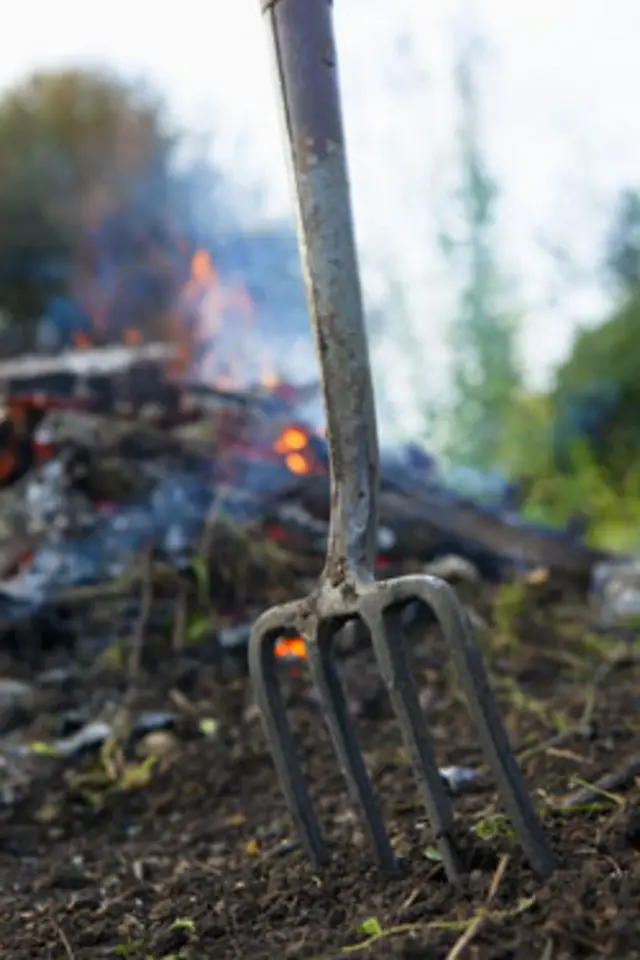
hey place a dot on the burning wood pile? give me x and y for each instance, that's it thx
(110, 454)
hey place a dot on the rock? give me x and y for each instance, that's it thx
(615, 593)
(453, 569)
(16, 699)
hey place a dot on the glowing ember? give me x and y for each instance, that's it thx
(291, 439)
(291, 444)
(8, 461)
(291, 648)
(297, 463)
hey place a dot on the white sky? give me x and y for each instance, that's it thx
(560, 104)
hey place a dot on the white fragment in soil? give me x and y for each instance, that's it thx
(615, 592)
(459, 779)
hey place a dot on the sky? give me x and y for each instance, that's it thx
(557, 87)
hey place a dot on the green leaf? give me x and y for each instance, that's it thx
(433, 854)
(371, 927)
(42, 749)
(201, 572)
(199, 628)
(208, 726)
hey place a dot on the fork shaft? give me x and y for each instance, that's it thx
(302, 40)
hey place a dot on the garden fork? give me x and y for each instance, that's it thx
(301, 34)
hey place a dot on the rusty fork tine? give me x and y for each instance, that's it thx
(263, 668)
(391, 655)
(301, 33)
(389, 644)
(483, 709)
(342, 730)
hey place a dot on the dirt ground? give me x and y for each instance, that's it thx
(191, 854)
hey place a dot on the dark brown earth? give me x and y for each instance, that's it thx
(196, 859)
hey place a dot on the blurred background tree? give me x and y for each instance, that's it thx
(486, 375)
(87, 188)
(574, 448)
(578, 447)
(597, 389)
(622, 256)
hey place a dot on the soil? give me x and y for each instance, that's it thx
(195, 857)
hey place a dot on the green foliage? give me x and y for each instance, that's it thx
(603, 367)
(609, 499)
(610, 351)
(605, 490)
(576, 450)
(527, 437)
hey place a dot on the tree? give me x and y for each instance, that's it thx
(622, 258)
(597, 394)
(597, 390)
(486, 373)
(88, 194)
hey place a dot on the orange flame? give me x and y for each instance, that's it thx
(291, 647)
(213, 325)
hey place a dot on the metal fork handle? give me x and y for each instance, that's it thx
(302, 40)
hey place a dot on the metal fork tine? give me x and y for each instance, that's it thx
(391, 653)
(262, 664)
(441, 599)
(341, 727)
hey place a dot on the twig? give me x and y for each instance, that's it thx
(208, 532)
(609, 782)
(64, 940)
(180, 617)
(473, 929)
(204, 553)
(137, 641)
(12, 553)
(450, 926)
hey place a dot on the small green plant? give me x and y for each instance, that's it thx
(494, 827)
(131, 950)
(508, 606)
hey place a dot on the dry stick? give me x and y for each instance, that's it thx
(525, 753)
(12, 554)
(204, 552)
(605, 784)
(213, 514)
(137, 641)
(463, 942)
(180, 618)
(119, 587)
(121, 727)
(63, 939)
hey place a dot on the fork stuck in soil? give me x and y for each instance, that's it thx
(301, 36)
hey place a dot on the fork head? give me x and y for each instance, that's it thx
(303, 47)
(319, 618)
